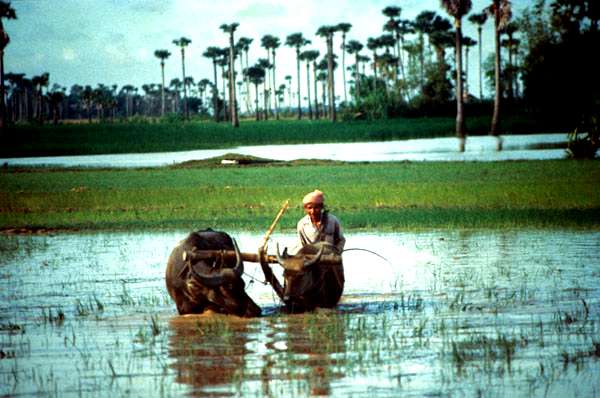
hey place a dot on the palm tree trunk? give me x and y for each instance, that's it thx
(400, 58)
(375, 70)
(267, 86)
(316, 96)
(185, 101)
(324, 95)
(480, 67)
(422, 60)
(460, 118)
(498, 94)
(275, 97)
(356, 79)
(244, 81)
(247, 80)
(232, 97)
(225, 110)
(162, 89)
(511, 93)
(310, 112)
(298, 74)
(344, 66)
(214, 93)
(256, 101)
(331, 80)
(266, 98)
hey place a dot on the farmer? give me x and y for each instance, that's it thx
(319, 225)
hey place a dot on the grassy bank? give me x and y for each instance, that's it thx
(381, 196)
(83, 138)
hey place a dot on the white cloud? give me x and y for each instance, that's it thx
(69, 54)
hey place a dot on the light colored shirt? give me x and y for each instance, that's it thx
(329, 231)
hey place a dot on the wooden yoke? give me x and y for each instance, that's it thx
(229, 255)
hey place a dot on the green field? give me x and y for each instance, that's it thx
(376, 196)
(140, 137)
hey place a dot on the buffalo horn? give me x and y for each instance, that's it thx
(315, 259)
(214, 280)
(225, 274)
(280, 258)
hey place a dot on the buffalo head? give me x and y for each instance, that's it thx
(309, 281)
(198, 283)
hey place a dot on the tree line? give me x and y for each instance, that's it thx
(414, 67)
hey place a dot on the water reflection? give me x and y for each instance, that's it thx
(207, 352)
(478, 148)
(308, 347)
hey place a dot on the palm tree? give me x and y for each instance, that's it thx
(423, 25)
(183, 43)
(458, 9)
(344, 28)
(374, 44)
(500, 10)
(87, 96)
(243, 45)
(322, 77)
(214, 53)
(355, 47)
(479, 20)
(202, 85)
(288, 79)
(309, 56)
(265, 65)
(256, 76)
(272, 43)
(315, 69)
(6, 11)
(17, 89)
(127, 90)
(55, 98)
(441, 38)
(230, 29)
(387, 64)
(327, 32)
(162, 55)
(394, 25)
(297, 41)
(387, 41)
(39, 82)
(175, 85)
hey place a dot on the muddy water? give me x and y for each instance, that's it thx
(453, 313)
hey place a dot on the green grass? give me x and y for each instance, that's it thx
(378, 196)
(120, 137)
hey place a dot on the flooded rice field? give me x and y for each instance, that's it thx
(478, 148)
(452, 313)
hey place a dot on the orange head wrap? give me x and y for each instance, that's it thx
(314, 197)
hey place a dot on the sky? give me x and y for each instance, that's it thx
(89, 42)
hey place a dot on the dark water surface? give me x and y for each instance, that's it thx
(453, 313)
(478, 148)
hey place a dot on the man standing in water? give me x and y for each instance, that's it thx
(319, 225)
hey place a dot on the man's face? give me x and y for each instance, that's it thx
(314, 211)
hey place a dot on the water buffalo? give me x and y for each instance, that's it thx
(197, 284)
(313, 278)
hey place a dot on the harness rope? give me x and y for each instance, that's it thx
(368, 251)
(265, 282)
